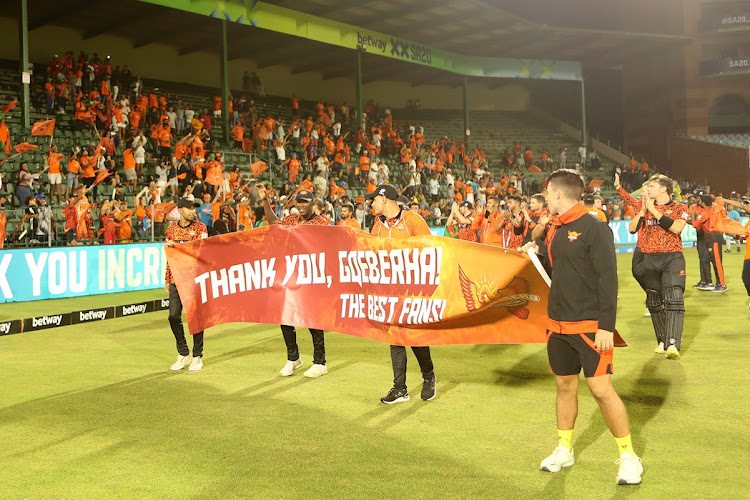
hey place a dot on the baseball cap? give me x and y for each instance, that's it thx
(305, 195)
(39, 196)
(403, 200)
(588, 198)
(387, 190)
(467, 204)
(185, 203)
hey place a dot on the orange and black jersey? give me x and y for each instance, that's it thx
(581, 258)
(652, 238)
(468, 231)
(178, 234)
(297, 220)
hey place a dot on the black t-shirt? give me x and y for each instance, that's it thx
(33, 223)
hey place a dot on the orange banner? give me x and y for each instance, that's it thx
(424, 290)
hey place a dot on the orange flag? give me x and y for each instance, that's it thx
(103, 174)
(25, 147)
(10, 106)
(5, 136)
(721, 223)
(534, 169)
(258, 168)
(44, 127)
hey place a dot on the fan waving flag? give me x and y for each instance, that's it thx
(10, 106)
(44, 127)
(25, 147)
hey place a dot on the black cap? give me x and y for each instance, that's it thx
(185, 203)
(467, 204)
(403, 200)
(120, 197)
(305, 195)
(588, 199)
(387, 190)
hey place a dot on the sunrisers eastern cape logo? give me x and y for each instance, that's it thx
(572, 235)
(514, 297)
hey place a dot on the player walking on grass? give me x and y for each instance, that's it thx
(188, 228)
(582, 307)
(658, 261)
(709, 245)
(396, 222)
(306, 215)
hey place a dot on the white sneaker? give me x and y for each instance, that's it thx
(630, 471)
(290, 367)
(197, 364)
(647, 313)
(316, 371)
(673, 353)
(182, 362)
(561, 457)
(659, 349)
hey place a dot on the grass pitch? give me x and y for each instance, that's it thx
(92, 411)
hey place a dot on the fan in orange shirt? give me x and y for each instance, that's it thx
(347, 217)
(54, 173)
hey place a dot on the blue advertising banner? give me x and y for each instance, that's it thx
(51, 273)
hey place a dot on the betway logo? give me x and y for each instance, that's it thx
(135, 309)
(46, 321)
(5, 327)
(92, 315)
(164, 303)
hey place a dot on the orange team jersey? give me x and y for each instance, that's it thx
(652, 238)
(88, 162)
(197, 148)
(3, 223)
(404, 225)
(238, 132)
(486, 226)
(467, 232)
(747, 247)
(53, 161)
(350, 222)
(297, 220)
(598, 214)
(364, 163)
(177, 233)
(295, 103)
(165, 136)
(128, 159)
(180, 150)
(124, 230)
(73, 166)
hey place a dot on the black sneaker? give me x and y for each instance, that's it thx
(429, 391)
(699, 285)
(395, 396)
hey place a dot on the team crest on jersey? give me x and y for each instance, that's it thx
(514, 297)
(572, 235)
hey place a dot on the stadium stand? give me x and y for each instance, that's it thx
(498, 147)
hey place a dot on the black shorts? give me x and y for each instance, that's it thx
(568, 353)
(659, 271)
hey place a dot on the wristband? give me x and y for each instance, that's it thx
(665, 222)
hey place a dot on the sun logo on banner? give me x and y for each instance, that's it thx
(222, 11)
(479, 294)
(572, 235)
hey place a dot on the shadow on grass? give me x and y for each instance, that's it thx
(161, 427)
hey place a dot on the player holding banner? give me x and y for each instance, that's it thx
(188, 228)
(658, 261)
(306, 215)
(396, 222)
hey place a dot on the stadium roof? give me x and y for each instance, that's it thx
(471, 27)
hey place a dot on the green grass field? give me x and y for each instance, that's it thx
(93, 411)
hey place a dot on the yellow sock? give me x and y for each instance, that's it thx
(625, 445)
(565, 438)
